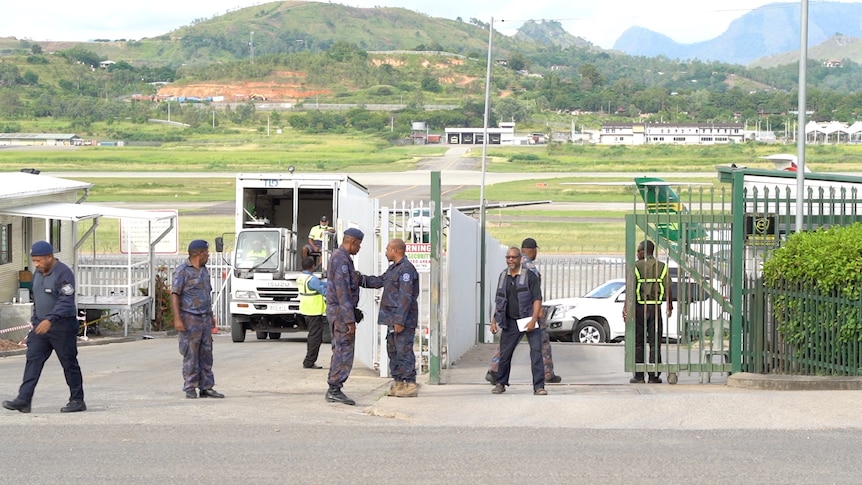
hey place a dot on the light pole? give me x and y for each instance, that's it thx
(800, 117)
(482, 251)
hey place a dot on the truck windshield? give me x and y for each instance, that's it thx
(257, 250)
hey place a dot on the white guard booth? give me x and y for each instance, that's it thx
(124, 295)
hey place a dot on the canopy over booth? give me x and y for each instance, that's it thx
(92, 292)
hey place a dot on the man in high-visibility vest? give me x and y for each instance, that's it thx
(312, 307)
(652, 287)
(315, 238)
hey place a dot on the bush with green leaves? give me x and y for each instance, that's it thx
(816, 283)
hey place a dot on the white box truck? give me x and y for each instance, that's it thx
(274, 213)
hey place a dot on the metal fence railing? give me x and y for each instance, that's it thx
(113, 276)
(803, 331)
(573, 276)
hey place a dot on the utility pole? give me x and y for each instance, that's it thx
(251, 46)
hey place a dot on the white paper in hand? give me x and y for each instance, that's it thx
(522, 323)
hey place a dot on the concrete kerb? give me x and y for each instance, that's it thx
(775, 382)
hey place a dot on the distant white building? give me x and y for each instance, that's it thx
(502, 135)
(671, 133)
(833, 132)
(36, 139)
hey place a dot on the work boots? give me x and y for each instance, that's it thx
(395, 387)
(407, 389)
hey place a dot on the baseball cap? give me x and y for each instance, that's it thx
(529, 243)
(354, 233)
(41, 248)
(198, 244)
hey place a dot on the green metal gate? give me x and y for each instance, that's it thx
(690, 226)
(714, 240)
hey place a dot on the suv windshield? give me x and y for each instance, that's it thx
(606, 290)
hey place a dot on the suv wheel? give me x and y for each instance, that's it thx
(590, 332)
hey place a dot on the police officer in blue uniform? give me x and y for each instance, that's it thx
(342, 296)
(191, 302)
(399, 311)
(518, 296)
(55, 328)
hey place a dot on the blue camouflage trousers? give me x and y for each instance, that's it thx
(196, 347)
(402, 360)
(343, 345)
(547, 358)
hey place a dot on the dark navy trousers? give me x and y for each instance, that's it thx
(509, 339)
(63, 339)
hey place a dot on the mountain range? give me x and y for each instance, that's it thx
(765, 37)
(767, 31)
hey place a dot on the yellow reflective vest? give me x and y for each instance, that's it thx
(310, 301)
(650, 275)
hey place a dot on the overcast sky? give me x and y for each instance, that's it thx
(599, 21)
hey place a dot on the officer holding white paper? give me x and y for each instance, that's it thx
(518, 297)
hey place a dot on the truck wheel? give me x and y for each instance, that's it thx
(261, 335)
(274, 335)
(237, 330)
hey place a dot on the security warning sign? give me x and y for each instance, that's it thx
(420, 255)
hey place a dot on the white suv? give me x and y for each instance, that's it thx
(597, 317)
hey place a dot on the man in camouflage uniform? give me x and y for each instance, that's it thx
(342, 296)
(191, 303)
(399, 311)
(529, 251)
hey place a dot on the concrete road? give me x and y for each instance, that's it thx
(274, 426)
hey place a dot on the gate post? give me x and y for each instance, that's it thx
(631, 230)
(434, 339)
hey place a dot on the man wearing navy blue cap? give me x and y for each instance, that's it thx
(191, 302)
(342, 296)
(54, 328)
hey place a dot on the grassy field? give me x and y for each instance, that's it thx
(191, 227)
(562, 231)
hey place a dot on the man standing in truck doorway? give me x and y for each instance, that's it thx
(342, 296)
(315, 238)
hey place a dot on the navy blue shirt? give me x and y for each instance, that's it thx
(342, 287)
(54, 295)
(399, 304)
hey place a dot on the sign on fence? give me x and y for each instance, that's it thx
(420, 255)
(135, 239)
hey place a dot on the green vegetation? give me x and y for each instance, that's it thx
(598, 228)
(388, 56)
(817, 286)
(191, 227)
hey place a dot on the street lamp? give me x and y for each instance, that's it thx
(482, 250)
(800, 137)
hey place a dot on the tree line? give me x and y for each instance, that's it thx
(71, 85)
